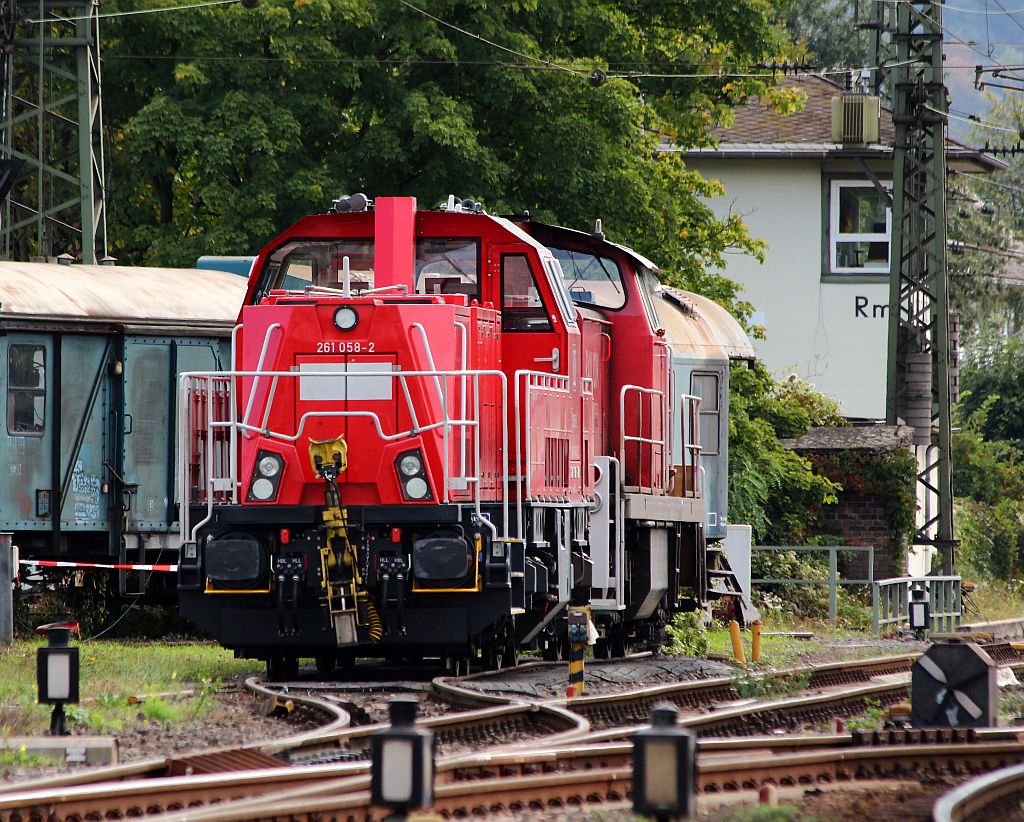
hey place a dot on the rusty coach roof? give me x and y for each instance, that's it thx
(695, 323)
(123, 295)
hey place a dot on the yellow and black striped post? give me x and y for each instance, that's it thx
(579, 619)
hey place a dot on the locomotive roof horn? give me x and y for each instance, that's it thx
(351, 203)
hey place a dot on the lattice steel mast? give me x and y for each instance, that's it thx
(52, 120)
(918, 379)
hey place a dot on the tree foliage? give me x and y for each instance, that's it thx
(226, 124)
(772, 488)
(825, 30)
(988, 483)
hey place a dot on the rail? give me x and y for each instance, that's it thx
(970, 800)
(209, 429)
(833, 581)
(891, 598)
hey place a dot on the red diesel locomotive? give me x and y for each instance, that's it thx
(442, 432)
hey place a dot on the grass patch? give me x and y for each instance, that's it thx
(759, 813)
(14, 758)
(111, 672)
(752, 686)
(995, 599)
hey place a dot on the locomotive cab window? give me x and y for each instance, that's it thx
(448, 266)
(26, 390)
(303, 263)
(590, 279)
(705, 386)
(522, 308)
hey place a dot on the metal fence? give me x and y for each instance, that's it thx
(890, 598)
(834, 581)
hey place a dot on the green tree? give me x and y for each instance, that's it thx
(227, 123)
(826, 31)
(771, 487)
(991, 379)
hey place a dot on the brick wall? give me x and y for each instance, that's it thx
(863, 520)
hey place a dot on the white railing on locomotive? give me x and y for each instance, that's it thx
(462, 481)
(260, 366)
(641, 440)
(530, 382)
(689, 419)
(229, 480)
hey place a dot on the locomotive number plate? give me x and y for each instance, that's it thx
(345, 347)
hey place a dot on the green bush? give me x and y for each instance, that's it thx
(687, 634)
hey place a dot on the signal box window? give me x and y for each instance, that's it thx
(860, 221)
(26, 390)
(303, 263)
(705, 386)
(448, 266)
(521, 306)
(591, 280)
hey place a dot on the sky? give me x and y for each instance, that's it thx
(981, 32)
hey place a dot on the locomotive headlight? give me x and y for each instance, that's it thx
(266, 477)
(269, 466)
(262, 489)
(346, 318)
(412, 475)
(410, 464)
(417, 488)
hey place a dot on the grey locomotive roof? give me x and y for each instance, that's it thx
(122, 295)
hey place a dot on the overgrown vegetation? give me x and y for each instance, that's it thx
(772, 488)
(688, 635)
(988, 478)
(95, 606)
(751, 685)
(113, 675)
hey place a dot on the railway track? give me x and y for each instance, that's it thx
(548, 750)
(995, 795)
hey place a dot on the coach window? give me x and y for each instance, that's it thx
(448, 266)
(705, 386)
(521, 306)
(26, 390)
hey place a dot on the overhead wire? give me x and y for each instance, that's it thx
(453, 27)
(972, 119)
(188, 7)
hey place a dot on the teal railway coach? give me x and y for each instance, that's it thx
(88, 362)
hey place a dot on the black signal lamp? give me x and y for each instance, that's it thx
(57, 672)
(402, 759)
(664, 767)
(919, 610)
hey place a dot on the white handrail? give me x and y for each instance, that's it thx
(236, 427)
(640, 438)
(259, 367)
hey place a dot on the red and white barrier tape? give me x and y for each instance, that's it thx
(49, 563)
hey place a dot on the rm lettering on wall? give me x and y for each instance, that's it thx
(863, 307)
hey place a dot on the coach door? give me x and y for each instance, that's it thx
(86, 365)
(149, 424)
(26, 473)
